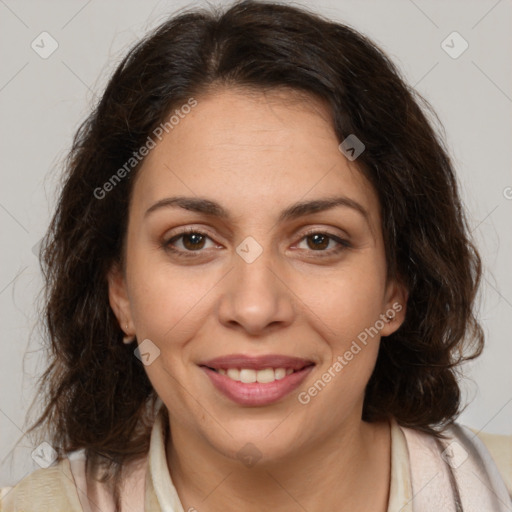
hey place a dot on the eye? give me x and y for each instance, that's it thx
(192, 241)
(319, 241)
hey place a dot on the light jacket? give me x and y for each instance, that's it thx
(467, 473)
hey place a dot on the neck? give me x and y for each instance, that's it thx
(351, 468)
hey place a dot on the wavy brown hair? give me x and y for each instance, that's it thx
(97, 394)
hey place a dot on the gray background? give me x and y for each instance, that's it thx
(43, 101)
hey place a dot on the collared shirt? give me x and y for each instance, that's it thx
(149, 487)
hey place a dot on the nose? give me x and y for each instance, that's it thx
(257, 297)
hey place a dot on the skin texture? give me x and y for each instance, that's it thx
(256, 154)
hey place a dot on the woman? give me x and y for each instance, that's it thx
(260, 286)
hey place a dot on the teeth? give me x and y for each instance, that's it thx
(249, 376)
(280, 373)
(233, 374)
(266, 375)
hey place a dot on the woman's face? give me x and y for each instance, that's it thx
(267, 286)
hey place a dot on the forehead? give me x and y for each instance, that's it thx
(252, 150)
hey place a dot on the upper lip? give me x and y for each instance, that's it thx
(257, 362)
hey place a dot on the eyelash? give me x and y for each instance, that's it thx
(167, 244)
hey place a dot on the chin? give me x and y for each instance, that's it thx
(264, 441)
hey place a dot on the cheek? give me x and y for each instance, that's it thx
(347, 308)
(168, 308)
(165, 300)
(347, 302)
(346, 318)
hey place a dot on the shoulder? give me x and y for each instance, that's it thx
(491, 452)
(466, 463)
(500, 449)
(49, 489)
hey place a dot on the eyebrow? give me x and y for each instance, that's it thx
(294, 211)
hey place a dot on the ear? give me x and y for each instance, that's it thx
(118, 298)
(395, 306)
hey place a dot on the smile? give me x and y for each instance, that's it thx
(256, 381)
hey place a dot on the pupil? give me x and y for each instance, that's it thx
(319, 238)
(196, 239)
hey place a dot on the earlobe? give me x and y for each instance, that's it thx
(395, 307)
(118, 298)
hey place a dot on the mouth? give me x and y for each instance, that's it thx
(256, 381)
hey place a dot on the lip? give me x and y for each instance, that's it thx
(257, 394)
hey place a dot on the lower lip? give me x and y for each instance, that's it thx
(256, 393)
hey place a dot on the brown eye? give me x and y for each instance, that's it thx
(193, 241)
(319, 241)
